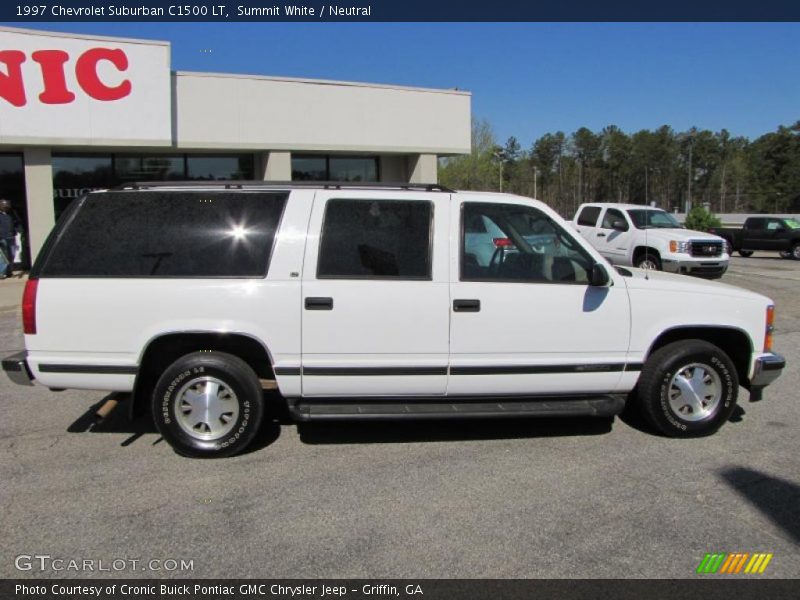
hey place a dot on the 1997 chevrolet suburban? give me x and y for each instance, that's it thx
(372, 302)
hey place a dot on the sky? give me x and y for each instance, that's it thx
(526, 79)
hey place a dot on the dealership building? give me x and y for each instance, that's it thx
(81, 112)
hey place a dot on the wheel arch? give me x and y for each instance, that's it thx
(735, 342)
(165, 348)
(642, 249)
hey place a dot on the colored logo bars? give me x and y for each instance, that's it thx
(734, 563)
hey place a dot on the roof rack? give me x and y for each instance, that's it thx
(327, 185)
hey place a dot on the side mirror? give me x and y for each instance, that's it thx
(619, 226)
(599, 276)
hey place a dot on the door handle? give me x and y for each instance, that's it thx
(466, 305)
(319, 303)
(601, 235)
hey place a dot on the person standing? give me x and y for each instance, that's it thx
(8, 238)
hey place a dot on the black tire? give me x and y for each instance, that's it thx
(785, 253)
(239, 395)
(655, 388)
(643, 258)
(796, 251)
(745, 253)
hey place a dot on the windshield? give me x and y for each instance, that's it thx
(792, 223)
(653, 219)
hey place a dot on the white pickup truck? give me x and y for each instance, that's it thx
(650, 238)
(371, 302)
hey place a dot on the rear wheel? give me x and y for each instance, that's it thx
(796, 251)
(648, 261)
(786, 253)
(746, 253)
(688, 389)
(208, 404)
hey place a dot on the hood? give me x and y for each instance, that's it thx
(681, 235)
(658, 280)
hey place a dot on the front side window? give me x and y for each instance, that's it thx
(381, 239)
(168, 234)
(613, 215)
(519, 243)
(653, 219)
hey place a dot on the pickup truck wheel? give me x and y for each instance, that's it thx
(796, 252)
(688, 389)
(648, 261)
(786, 253)
(208, 404)
(745, 253)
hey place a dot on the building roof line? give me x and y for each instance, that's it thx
(84, 36)
(387, 86)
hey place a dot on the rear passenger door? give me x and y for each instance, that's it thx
(376, 294)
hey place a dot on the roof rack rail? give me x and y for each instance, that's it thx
(328, 185)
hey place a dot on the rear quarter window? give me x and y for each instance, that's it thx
(168, 234)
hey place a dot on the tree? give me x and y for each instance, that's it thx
(699, 219)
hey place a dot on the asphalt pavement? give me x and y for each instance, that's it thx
(521, 499)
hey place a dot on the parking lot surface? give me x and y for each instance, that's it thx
(521, 499)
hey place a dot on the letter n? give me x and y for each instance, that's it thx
(12, 86)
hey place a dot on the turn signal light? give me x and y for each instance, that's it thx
(770, 328)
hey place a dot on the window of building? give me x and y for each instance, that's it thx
(12, 188)
(169, 234)
(318, 167)
(77, 174)
(384, 239)
(219, 167)
(520, 244)
(149, 168)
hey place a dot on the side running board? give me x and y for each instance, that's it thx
(334, 409)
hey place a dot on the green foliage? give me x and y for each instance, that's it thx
(731, 174)
(699, 219)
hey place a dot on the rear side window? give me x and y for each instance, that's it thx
(169, 234)
(381, 239)
(589, 216)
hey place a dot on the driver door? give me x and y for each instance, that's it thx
(529, 323)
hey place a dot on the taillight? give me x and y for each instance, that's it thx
(770, 328)
(29, 307)
(502, 242)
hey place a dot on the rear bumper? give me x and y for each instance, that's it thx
(700, 268)
(16, 367)
(767, 368)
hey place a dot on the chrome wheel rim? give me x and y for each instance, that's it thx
(648, 264)
(206, 408)
(695, 392)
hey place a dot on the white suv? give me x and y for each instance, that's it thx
(371, 302)
(650, 238)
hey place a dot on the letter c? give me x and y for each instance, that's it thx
(86, 73)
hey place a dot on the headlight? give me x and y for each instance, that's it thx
(680, 247)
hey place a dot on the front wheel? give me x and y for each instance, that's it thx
(688, 389)
(649, 262)
(746, 253)
(796, 251)
(208, 404)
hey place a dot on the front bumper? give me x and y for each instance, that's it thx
(16, 367)
(767, 369)
(700, 268)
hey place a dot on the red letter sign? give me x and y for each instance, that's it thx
(86, 72)
(12, 88)
(55, 84)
